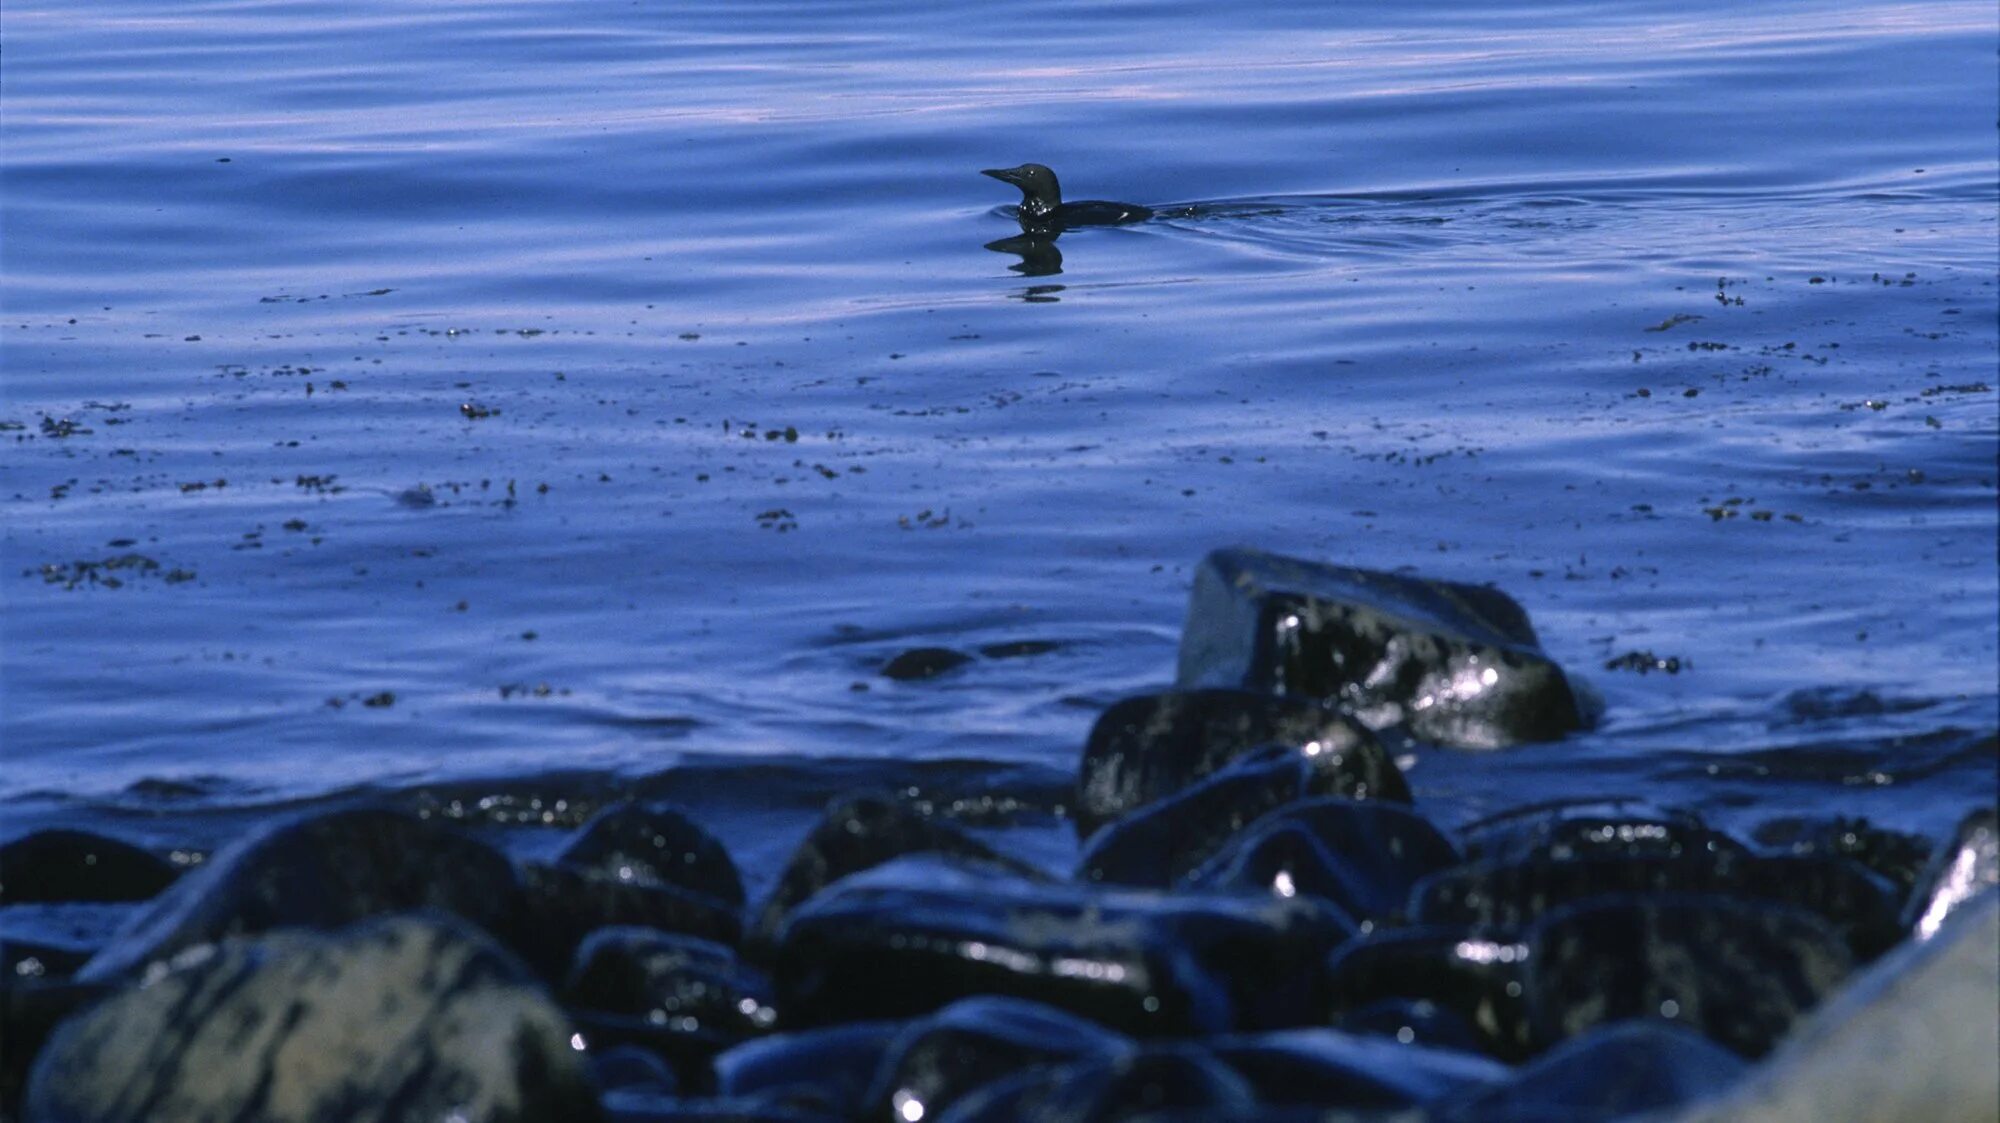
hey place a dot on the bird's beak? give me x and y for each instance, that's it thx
(1004, 175)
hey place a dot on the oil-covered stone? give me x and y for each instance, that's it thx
(321, 871)
(915, 935)
(1858, 903)
(1329, 1068)
(824, 1071)
(1162, 842)
(399, 1018)
(1452, 664)
(1161, 1078)
(940, 1059)
(68, 865)
(1738, 971)
(1613, 1072)
(655, 844)
(1468, 980)
(684, 998)
(1363, 856)
(1615, 829)
(859, 833)
(1149, 747)
(560, 906)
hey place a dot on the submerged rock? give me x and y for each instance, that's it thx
(1454, 664)
(910, 937)
(1362, 856)
(1962, 869)
(1740, 972)
(66, 865)
(1609, 1073)
(937, 1061)
(402, 1018)
(322, 871)
(1149, 747)
(858, 834)
(560, 907)
(655, 844)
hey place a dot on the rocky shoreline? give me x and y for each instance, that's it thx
(1262, 924)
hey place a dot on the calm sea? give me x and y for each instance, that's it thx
(405, 391)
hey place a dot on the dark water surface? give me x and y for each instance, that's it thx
(589, 387)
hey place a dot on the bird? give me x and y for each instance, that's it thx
(1042, 208)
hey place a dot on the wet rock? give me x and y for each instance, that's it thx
(1328, 1068)
(857, 834)
(1897, 856)
(686, 999)
(915, 935)
(1861, 905)
(935, 1062)
(1610, 1073)
(639, 1106)
(1162, 842)
(924, 662)
(560, 906)
(400, 1018)
(1453, 664)
(322, 871)
(1612, 829)
(1912, 1038)
(826, 1070)
(1467, 981)
(1160, 1078)
(1149, 747)
(66, 865)
(1740, 972)
(1963, 868)
(1412, 1021)
(629, 1068)
(654, 844)
(1364, 857)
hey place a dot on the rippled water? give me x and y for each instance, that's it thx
(591, 386)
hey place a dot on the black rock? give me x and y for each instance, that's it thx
(1961, 869)
(630, 1068)
(1160, 843)
(30, 1010)
(1860, 904)
(1149, 747)
(1363, 856)
(1161, 1078)
(826, 1070)
(857, 834)
(1457, 981)
(685, 999)
(65, 865)
(560, 906)
(1740, 972)
(1620, 1070)
(1898, 856)
(1412, 1021)
(924, 662)
(654, 844)
(1452, 664)
(1328, 1068)
(937, 1061)
(638, 1105)
(322, 871)
(912, 936)
(400, 1018)
(1598, 829)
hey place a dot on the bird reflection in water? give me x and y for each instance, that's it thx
(1037, 251)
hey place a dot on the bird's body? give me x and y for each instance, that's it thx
(1042, 208)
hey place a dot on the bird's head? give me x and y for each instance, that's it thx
(1040, 194)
